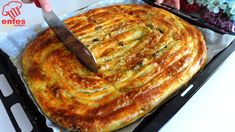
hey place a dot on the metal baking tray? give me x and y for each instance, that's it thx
(153, 122)
(21, 96)
(165, 112)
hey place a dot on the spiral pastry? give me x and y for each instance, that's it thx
(144, 55)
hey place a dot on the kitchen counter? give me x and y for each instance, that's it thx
(212, 108)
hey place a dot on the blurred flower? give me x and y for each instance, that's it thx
(232, 18)
(189, 7)
(216, 5)
(190, 2)
(202, 2)
(220, 12)
(232, 11)
(230, 3)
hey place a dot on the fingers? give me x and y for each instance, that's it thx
(174, 3)
(159, 1)
(45, 5)
(177, 4)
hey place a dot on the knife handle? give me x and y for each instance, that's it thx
(37, 3)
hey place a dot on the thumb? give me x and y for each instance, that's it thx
(177, 4)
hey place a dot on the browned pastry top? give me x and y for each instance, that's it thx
(144, 55)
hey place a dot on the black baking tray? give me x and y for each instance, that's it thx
(21, 96)
(153, 122)
(165, 112)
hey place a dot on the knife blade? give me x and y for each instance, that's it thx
(69, 40)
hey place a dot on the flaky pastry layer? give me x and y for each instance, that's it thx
(144, 54)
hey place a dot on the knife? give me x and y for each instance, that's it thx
(69, 40)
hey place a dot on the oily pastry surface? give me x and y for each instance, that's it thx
(144, 55)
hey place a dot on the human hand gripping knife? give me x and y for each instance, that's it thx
(69, 40)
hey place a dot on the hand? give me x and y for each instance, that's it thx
(173, 3)
(44, 4)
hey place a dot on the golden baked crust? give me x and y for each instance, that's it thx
(144, 55)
